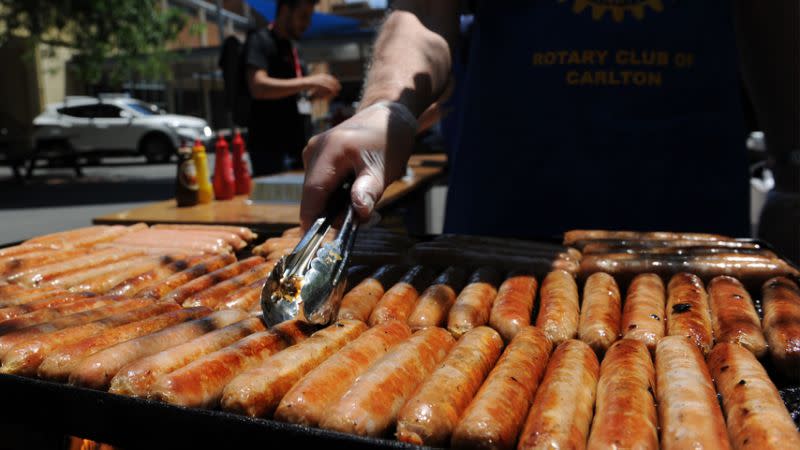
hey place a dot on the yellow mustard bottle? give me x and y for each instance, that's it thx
(205, 193)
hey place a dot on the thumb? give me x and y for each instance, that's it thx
(366, 191)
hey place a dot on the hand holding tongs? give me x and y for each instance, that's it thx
(308, 283)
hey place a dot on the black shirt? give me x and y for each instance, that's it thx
(275, 126)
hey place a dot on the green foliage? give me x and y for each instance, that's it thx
(133, 33)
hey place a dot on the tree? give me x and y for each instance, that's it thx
(134, 33)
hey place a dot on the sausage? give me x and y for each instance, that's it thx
(243, 232)
(643, 312)
(361, 300)
(625, 411)
(187, 240)
(371, 405)
(58, 364)
(755, 413)
(231, 239)
(399, 301)
(13, 336)
(474, 303)
(430, 416)
(200, 383)
(687, 311)
(181, 293)
(688, 412)
(25, 295)
(494, 417)
(601, 312)
(559, 307)
(562, 411)
(136, 378)
(274, 244)
(76, 278)
(309, 400)
(733, 316)
(63, 238)
(573, 236)
(206, 266)
(435, 302)
(138, 282)
(44, 304)
(49, 314)
(245, 298)
(106, 281)
(513, 306)
(97, 370)
(782, 325)
(41, 275)
(27, 261)
(258, 391)
(25, 357)
(213, 295)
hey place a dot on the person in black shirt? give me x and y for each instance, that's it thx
(279, 111)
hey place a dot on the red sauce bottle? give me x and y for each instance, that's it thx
(240, 171)
(224, 181)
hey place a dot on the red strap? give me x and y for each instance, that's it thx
(297, 70)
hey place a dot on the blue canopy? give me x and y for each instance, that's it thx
(321, 24)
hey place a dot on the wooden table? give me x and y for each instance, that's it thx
(268, 216)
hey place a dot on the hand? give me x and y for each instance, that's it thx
(323, 85)
(780, 223)
(374, 145)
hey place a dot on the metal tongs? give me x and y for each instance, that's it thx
(308, 283)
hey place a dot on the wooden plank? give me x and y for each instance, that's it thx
(267, 216)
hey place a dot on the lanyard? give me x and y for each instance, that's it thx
(297, 70)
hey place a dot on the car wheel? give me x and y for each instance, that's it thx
(157, 149)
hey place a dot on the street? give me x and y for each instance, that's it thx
(55, 199)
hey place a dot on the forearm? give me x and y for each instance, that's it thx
(769, 46)
(268, 88)
(412, 56)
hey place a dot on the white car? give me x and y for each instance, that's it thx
(112, 124)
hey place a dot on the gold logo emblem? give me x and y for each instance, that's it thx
(618, 9)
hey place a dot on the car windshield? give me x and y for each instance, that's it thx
(145, 109)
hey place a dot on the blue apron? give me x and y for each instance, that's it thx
(600, 114)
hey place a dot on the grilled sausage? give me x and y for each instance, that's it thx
(756, 415)
(26, 295)
(399, 301)
(643, 313)
(49, 314)
(58, 365)
(600, 312)
(138, 377)
(206, 266)
(474, 304)
(371, 405)
(245, 298)
(27, 261)
(25, 357)
(42, 275)
(625, 412)
(13, 335)
(430, 416)
(212, 296)
(687, 311)
(310, 399)
(138, 282)
(104, 282)
(562, 410)
(782, 325)
(495, 416)
(258, 391)
(200, 383)
(361, 300)
(48, 303)
(434, 304)
(733, 315)
(559, 307)
(181, 293)
(243, 232)
(573, 236)
(688, 412)
(513, 306)
(82, 278)
(97, 370)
